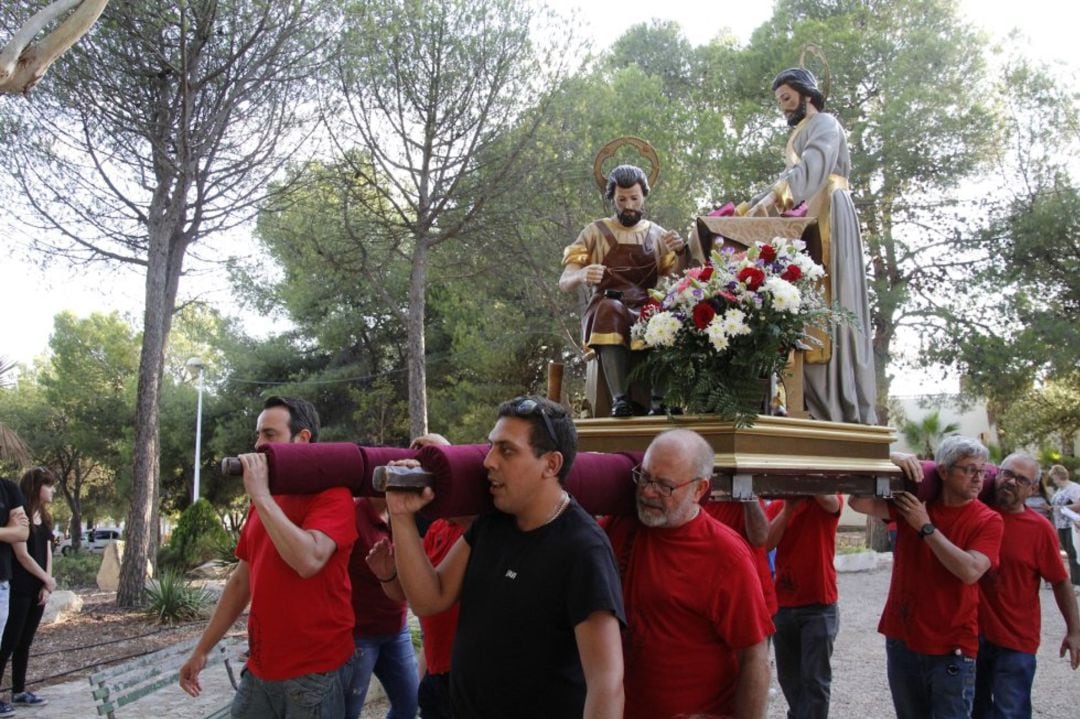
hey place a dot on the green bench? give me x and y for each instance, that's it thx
(128, 682)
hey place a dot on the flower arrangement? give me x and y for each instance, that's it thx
(717, 331)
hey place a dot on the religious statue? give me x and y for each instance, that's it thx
(839, 376)
(619, 259)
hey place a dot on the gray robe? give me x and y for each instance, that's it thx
(843, 389)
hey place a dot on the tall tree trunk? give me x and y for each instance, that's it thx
(418, 420)
(877, 535)
(165, 260)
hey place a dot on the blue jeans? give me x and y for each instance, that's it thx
(390, 657)
(311, 696)
(804, 643)
(1003, 679)
(5, 603)
(929, 686)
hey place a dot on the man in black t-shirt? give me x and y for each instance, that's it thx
(14, 527)
(541, 605)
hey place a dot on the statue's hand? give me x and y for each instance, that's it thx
(763, 207)
(672, 241)
(593, 274)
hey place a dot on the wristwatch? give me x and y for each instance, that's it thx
(926, 530)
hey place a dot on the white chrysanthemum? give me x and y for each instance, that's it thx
(810, 269)
(734, 323)
(715, 331)
(785, 296)
(661, 331)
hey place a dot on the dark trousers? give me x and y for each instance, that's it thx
(804, 643)
(434, 696)
(23, 618)
(1066, 538)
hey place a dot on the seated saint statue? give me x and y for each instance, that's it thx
(619, 259)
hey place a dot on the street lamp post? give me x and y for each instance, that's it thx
(195, 364)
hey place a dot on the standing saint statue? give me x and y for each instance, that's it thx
(839, 376)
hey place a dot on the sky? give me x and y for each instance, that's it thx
(31, 295)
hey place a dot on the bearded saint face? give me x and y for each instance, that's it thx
(792, 104)
(629, 204)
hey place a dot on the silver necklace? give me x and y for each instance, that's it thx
(564, 501)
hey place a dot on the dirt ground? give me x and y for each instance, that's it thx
(71, 648)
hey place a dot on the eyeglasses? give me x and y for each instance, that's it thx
(970, 470)
(1007, 474)
(529, 407)
(643, 479)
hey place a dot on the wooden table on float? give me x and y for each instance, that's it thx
(776, 457)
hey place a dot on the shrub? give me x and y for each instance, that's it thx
(194, 540)
(172, 599)
(224, 549)
(76, 570)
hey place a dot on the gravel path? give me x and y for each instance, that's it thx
(859, 687)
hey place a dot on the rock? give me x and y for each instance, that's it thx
(862, 561)
(108, 576)
(61, 602)
(212, 570)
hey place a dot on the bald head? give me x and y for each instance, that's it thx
(675, 465)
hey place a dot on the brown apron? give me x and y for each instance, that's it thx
(631, 270)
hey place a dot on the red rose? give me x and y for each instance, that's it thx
(791, 273)
(706, 273)
(650, 308)
(752, 277)
(767, 253)
(703, 314)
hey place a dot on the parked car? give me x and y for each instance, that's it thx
(93, 540)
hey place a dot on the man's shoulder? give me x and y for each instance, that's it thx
(1036, 521)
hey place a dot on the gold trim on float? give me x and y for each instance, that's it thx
(782, 445)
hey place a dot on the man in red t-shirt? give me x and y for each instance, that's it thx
(748, 520)
(803, 531)
(1009, 616)
(696, 616)
(930, 621)
(438, 630)
(294, 553)
(383, 642)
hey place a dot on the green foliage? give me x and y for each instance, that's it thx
(924, 436)
(1048, 415)
(224, 548)
(171, 599)
(76, 570)
(75, 407)
(197, 537)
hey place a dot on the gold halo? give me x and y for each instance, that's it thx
(826, 77)
(609, 150)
